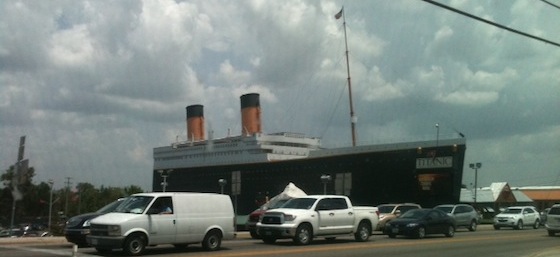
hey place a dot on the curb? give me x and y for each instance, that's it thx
(33, 240)
(62, 240)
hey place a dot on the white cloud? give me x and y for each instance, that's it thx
(96, 85)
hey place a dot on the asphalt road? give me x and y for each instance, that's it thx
(484, 242)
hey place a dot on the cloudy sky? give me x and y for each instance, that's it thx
(96, 85)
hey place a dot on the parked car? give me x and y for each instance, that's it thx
(553, 220)
(35, 230)
(544, 216)
(388, 212)
(464, 214)
(418, 223)
(78, 227)
(15, 232)
(517, 216)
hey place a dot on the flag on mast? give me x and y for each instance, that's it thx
(339, 14)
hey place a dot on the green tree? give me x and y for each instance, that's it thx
(132, 190)
(35, 201)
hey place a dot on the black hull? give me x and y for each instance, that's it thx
(376, 178)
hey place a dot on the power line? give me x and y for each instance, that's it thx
(491, 22)
(551, 4)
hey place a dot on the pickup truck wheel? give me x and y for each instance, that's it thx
(363, 232)
(304, 235)
(473, 225)
(135, 244)
(212, 241)
(269, 240)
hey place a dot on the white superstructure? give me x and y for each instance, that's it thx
(243, 149)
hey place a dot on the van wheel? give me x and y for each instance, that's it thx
(135, 244)
(551, 233)
(212, 241)
(363, 232)
(473, 225)
(304, 235)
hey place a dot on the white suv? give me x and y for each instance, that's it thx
(553, 220)
(464, 214)
(517, 216)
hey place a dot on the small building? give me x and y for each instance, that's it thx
(491, 200)
(543, 196)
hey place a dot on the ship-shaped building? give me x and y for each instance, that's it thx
(254, 165)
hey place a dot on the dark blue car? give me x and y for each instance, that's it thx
(420, 222)
(77, 227)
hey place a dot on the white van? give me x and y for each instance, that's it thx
(165, 218)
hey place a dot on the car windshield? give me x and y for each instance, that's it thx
(277, 204)
(300, 203)
(414, 214)
(512, 211)
(134, 204)
(385, 208)
(554, 210)
(110, 207)
(446, 209)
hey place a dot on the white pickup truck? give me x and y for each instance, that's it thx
(305, 218)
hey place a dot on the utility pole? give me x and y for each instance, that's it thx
(51, 183)
(16, 179)
(68, 183)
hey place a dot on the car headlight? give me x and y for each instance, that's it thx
(72, 222)
(289, 217)
(411, 225)
(86, 223)
(113, 230)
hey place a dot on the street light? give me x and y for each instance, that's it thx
(51, 183)
(164, 174)
(437, 134)
(475, 166)
(222, 183)
(325, 178)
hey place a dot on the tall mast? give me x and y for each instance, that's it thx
(353, 118)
